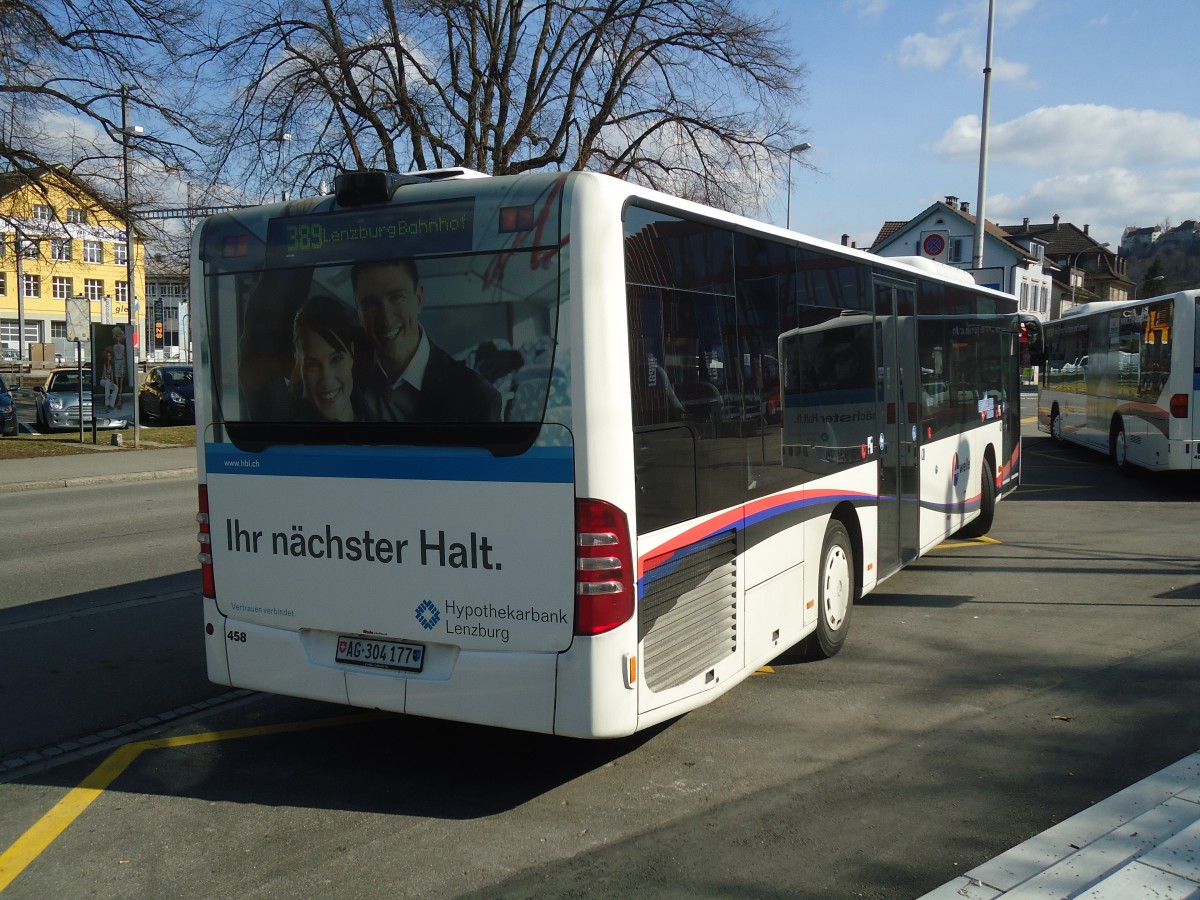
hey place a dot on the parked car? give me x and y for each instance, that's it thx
(58, 402)
(8, 411)
(937, 393)
(167, 395)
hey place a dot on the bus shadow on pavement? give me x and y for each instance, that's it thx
(915, 601)
(1059, 471)
(390, 763)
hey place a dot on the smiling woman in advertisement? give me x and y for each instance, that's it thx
(330, 350)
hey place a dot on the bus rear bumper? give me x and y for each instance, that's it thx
(214, 643)
(504, 689)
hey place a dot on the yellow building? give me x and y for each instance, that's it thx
(60, 239)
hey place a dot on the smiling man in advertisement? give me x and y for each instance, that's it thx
(420, 382)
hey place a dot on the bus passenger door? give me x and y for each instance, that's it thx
(1010, 387)
(898, 415)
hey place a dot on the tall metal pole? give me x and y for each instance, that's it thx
(798, 148)
(129, 266)
(18, 248)
(1071, 266)
(789, 196)
(1153, 280)
(977, 256)
(19, 243)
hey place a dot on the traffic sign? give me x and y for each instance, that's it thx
(934, 245)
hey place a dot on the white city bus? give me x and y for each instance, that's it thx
(594, 487)
(1124, 378)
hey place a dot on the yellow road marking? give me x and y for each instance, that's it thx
(973, 542)
(765, 670)
(42, 833)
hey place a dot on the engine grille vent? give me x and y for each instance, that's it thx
(687, 618)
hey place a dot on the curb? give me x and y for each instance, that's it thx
(80, 480)
(32, 762)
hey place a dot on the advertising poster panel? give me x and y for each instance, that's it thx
(112, 371)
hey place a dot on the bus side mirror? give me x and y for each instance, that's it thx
(1032, 341)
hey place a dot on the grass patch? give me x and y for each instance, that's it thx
(66, 443)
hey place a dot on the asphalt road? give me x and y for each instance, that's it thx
(985, 693)
(99, 610)
(59, 544)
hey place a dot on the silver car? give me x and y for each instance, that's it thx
(58, 403)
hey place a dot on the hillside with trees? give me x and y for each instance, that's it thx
(1175, 256)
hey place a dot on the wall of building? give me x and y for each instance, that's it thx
(58, 244)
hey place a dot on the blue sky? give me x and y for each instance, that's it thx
(1095, 112)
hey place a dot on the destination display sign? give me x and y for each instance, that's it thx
(378, 232)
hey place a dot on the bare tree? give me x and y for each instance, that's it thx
(67, 66)
(690, 96)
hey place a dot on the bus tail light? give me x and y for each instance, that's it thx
(208, 584)
(604, 576)
(1179, 406)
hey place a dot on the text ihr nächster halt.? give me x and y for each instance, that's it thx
(431, 549)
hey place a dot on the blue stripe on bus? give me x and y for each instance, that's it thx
(542, 465)
(955, 506)
(831, 498)
(669, 562)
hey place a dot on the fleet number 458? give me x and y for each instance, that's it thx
(238, 636)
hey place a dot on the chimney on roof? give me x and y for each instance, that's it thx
(1056, 221)
(845, 240)
(1085, 230)
(951, 201)
(965, 207)
(1025, 223)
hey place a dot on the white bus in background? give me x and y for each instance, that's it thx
(628, 526)
(1124, 378)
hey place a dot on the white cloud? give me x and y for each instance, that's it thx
(866, 9)
(1079, 136)
(923, 51)
(1107, 200)
(1010, 11)
(961, 38)
(1092, 164)
(964, 48)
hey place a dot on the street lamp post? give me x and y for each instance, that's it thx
(19, 246)
(129, 264)
(21, 343)
(284, 138)
(1153, 280)
(1071, 266)
(977, 253)
(799, 148)
(184, 335)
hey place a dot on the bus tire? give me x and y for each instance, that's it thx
(1056, 423)
(982, 524)
(835, 594)
(1118, 447)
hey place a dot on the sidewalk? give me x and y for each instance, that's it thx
(1142, 842)
(102, 465)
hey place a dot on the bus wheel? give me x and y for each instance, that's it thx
(1119, 448)
(982, 524)
(1056, 423)
(835, 594)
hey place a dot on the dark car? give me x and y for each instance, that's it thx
(8, 411)
(167, 396)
